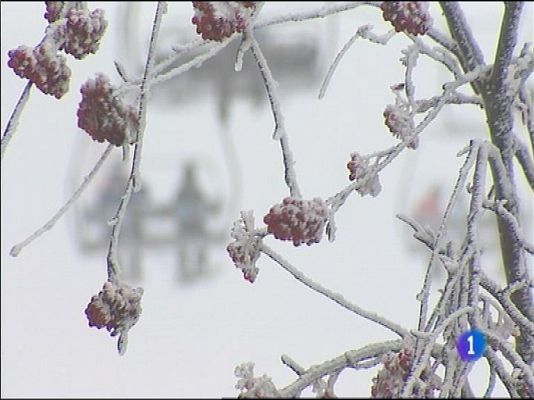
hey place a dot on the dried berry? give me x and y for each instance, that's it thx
(43, 67)
(103, 115)
(407, 16)
(217, 20)
(399, 123)
(390, 379)
(301, 221)
(116, 307)
(358, 167)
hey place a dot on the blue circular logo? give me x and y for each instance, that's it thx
(471, 345)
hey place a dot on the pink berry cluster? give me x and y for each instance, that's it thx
(217, 20)
(252, 387)
(78, 34)
(399, 123)
(103, 115)
(390, 379)
(245, 249)
(117, 307)
(43, 67)
(301, 221)
(407, 16)
(82, 31)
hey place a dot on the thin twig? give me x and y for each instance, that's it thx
(460, 183)
(14, 118)
(339, 299)
(322, 12)
(347, 359)
(15, 250)
(362, 32)
(279, 130)
(145, 87)
(113, 266)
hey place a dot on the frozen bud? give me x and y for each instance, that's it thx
(245, 249)
(103, 115)
(253, 387)
(217, 20)
(389, 381)
(301, 221)
(399, 123)
(82, 31)
(43, 67)
(407, 16)
(117, 308)
(358, 167)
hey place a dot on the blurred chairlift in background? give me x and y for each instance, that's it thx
(297, 55)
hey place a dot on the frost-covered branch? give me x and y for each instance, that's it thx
(339, 299)
(324, 11)
(470, 55)
(15, 250)
(526, 161)
(133, 183)
(362, 32)
(279, 130)
(346, 360)
(507, 41)
(14, 118)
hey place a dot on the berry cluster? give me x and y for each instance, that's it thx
(43, 67)
(82, 31)
(78, 34)
(117, 308)
(217, 20)
(301, 221)
(245, 250)
(400, 124)
(407, 16)
(389, 381)
(103, 115)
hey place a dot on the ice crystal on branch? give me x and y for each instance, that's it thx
(117, 308)
(217, 20)
(390, 379)
(253, 387)
(358, 167)
(407, 16)
(43, 67)
(245, 250)
(82, 31)
(103, 115)
(301, 221)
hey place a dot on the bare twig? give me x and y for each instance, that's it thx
(339, 299)
(14, 118)
(15, 250)
(279, 130)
